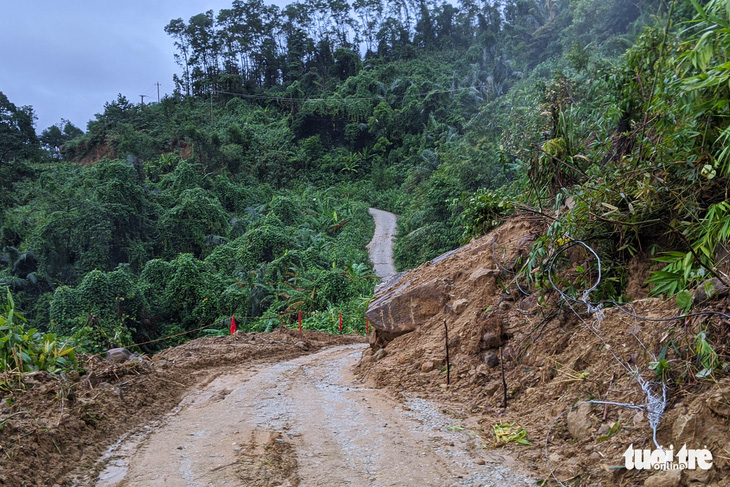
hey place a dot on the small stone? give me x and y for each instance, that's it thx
(427, 367)
(719, 405)
(698, 476)
(667, 478)
(504, 306)
(118, 355)
(380, 354)
(481, 462)
(491, 359)
(443, 386)
(302, 345)
(579, 421)
(491, 340)
(142, 361)
(491, 388)
(459, 306)
(638, 419)
(710, 290)
(684, 428)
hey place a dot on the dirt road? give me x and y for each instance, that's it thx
(305, 421)
(380, 247)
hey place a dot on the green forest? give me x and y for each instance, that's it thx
(245, 193)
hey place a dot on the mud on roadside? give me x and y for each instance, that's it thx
(50, 426)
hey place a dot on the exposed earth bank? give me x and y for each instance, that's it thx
(544, 358)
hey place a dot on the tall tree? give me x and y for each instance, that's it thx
(178, 31)
(18, 139)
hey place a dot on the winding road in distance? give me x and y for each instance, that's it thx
(380, 247)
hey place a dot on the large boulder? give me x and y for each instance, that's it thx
(403, 306)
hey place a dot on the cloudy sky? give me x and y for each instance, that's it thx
(67, 58)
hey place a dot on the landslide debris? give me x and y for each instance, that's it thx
(52, 425)
(542, 358)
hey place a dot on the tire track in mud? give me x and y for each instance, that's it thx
(305, 421)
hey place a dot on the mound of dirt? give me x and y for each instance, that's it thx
(50, 426)
(544, 358)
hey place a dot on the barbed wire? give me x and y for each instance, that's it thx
(656, 402)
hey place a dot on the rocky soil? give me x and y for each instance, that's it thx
(544, 359)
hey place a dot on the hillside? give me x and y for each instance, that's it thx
(578, 148)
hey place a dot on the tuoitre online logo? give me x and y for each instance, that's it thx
(659, 459)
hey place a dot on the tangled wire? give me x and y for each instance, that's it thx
(656, 402)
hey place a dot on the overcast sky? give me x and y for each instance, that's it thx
(66, 58)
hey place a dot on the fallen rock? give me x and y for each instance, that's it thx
(427, 366)
(491, 340)
(491, 359)
(684, 428)
(380, 354)
(368, 352)
(459, 306)
(118, 355)
(666, 478)
(579, 421)
(36, 377)
(638, 419)
(698, 476)
(709, 290)
(719, 404)
(486, 279)
(492, 387)
(406, 306)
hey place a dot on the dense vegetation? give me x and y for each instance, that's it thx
(246, 192)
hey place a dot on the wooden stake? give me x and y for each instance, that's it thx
(448, 364)
(504, 381)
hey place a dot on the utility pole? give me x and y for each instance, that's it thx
(142, 99)
(158, 91)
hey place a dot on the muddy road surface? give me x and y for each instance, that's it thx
(380, 247)
(306, 421)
